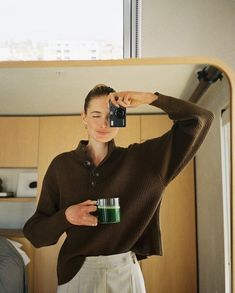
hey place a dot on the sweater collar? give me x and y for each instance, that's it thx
(82, 154)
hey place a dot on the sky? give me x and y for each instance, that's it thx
(61, 20)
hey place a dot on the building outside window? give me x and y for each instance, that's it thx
(68, 30)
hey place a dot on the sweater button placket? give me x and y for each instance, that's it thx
(87, 163)
(93, 176)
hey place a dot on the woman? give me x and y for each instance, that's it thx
(103, 258)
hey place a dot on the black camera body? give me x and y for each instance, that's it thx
(117, 115)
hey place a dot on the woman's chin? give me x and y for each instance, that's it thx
(103, 139)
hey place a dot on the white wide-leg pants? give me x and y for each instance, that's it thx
(107, 274)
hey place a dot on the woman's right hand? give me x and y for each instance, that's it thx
(79, 214)
(129, 99)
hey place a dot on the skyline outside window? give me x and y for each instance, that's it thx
(61, 30)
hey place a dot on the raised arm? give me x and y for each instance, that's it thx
(168, 154)
(179, 145)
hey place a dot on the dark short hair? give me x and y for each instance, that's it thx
(98, 91)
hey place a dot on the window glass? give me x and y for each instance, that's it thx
(61, 29)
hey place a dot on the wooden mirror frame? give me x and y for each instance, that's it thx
(230, 74)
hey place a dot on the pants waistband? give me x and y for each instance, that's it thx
(109, 261)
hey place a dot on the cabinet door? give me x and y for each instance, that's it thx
(19, 141)
(176, 270)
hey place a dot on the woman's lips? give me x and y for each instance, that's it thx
(103, 132)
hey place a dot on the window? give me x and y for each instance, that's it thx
(68, 30)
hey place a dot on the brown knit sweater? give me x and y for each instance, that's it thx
(137, 175)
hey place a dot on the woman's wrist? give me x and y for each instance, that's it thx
(152, 97)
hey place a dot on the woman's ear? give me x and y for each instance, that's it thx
(83, 115)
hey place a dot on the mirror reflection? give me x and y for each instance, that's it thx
(40, 118)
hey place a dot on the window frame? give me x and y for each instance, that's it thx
(131, 28)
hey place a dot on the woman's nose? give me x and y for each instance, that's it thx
(105, 122)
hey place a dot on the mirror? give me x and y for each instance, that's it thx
(195, 233)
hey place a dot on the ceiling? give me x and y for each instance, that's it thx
(52, 90)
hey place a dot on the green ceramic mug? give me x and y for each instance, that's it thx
(108, 210)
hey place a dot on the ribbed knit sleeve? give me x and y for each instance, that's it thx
(48, 222)
(177, 147)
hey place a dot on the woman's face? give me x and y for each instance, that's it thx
(97, 120)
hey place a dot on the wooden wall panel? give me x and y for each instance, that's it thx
(19, 141)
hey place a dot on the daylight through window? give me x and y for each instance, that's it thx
(61, 30)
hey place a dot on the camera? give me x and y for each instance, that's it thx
(117, 115)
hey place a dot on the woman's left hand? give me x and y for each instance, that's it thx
(128, 99)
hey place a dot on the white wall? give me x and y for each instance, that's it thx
(189, 28)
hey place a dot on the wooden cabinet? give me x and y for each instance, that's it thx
(18, 153)
(19, 141)
(175, 271)
(19, 150)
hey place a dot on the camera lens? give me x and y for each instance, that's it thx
(120, 113)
